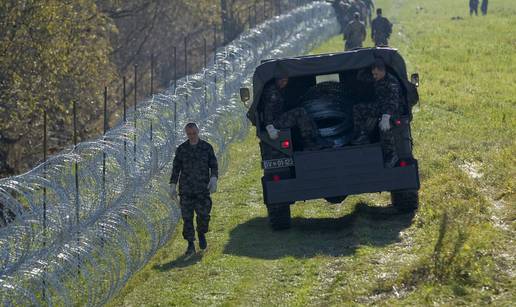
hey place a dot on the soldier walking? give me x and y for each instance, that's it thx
(483, 7)
(195, 167)
(354, 33)
(473, 7)
(387, 105)
(381, 29)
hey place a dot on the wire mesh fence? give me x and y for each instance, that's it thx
(79, 225)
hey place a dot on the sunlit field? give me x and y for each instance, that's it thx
(459, 247)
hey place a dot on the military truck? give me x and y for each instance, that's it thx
(327, 86)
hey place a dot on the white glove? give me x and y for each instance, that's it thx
(273, 132)
(212, 186)
(385, 122)
(173, 191)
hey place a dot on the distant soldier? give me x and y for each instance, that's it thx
(277, 117)
(473, 7)
(370, 7)
(195, 167)
(339, 12)
(387, 104)
(354, 33)
(381, 29)
(483, 7)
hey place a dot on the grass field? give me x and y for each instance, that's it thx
(459, 247)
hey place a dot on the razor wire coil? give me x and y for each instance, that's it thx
(76, 239)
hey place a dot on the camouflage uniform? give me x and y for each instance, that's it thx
(473, 7)
(388, 101)
(381, 29)
(339, 11)
(193, 167)
(274, 105)
(354, 34)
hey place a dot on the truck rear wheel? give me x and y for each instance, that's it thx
(405, 201)
(279, 216)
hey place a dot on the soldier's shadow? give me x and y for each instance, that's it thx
(180, 262)
(365, 226)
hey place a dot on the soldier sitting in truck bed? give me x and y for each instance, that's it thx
(276, 117)
(387, 105)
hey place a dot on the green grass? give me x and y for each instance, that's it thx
(458, 249)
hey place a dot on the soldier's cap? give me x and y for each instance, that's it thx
(280, 73)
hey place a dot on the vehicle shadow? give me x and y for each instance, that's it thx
(365, 226)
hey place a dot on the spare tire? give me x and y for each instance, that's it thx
(326, 103)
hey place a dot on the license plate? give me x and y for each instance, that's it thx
(278, 163)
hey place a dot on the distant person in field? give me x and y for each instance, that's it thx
(473, 7)
(483, 7)
(195, 168)
(354, 33)
(338, 6)
(370, 8)
(381, 29)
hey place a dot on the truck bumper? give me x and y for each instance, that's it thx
(339, 172)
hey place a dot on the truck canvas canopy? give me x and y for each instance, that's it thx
(324, 64)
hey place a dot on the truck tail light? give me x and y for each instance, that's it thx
(403, 163)
(285, 144)
(276, 178)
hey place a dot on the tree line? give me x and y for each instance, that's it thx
(53, 52)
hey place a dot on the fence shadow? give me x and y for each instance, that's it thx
(366, 226)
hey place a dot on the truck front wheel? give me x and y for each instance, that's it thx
(279, 216)
(405, 201)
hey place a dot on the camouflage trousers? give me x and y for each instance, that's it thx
(201, 206)
(380, 41)
(366, 118)
(350, 45)
(298, 117)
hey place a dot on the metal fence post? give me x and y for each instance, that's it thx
(152, 75)
(45, 146)
(76, 169)
(135, 103)
(124, 101)
(215, 62)
(205, 62)
(187, 105)
(175, 88)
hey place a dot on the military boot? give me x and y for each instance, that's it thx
(202, 241)
(190, 250)
(361, 139)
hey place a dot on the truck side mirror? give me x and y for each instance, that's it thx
(414, 79)
(245, 95)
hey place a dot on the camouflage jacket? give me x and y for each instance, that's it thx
(355, 32)
(388, 94)
(381, 27)
(193, 166)
(273, 103)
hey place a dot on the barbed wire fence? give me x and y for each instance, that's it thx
(80, 224)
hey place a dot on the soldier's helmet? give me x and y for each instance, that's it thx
(356, 15)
